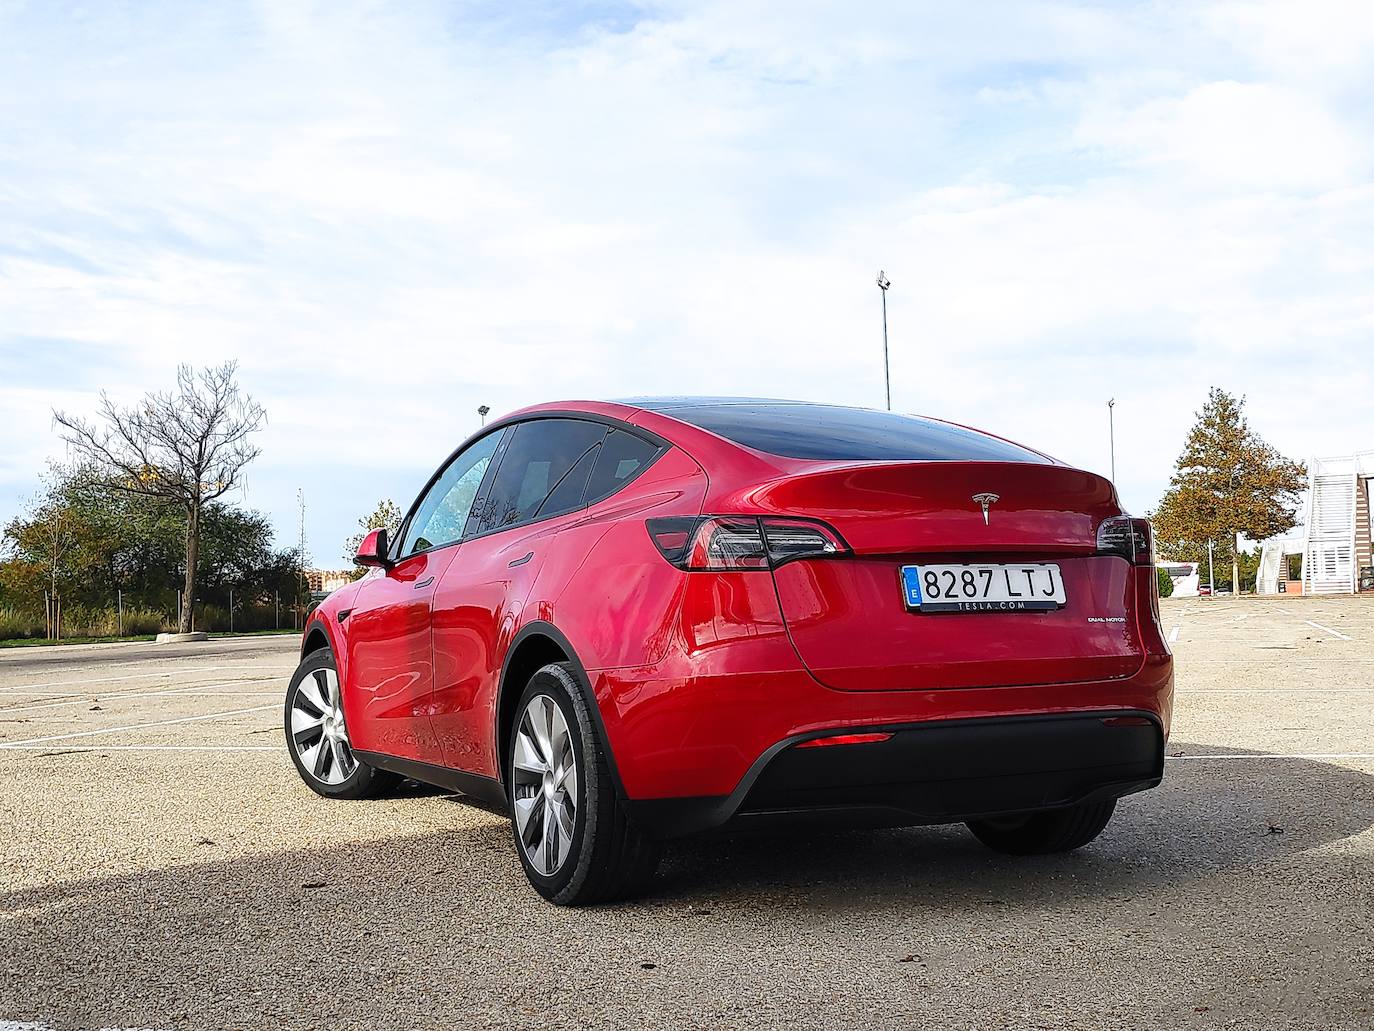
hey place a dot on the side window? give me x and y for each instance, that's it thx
(533, 478)
(620, 458)
(443, 512)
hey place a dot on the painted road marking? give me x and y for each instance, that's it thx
(111, 680)
(1327, 630)
(1173, 634)
(207, 690)
(135, 726)
(1280, 755)
(150, 694)
(144, 748)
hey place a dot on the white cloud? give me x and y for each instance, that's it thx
(392, 215)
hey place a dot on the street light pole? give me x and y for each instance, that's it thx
(883, 284)
(1211, 583)
(1111, 434)
(482, 411)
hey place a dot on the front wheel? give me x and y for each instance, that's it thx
(1056, 830)
(317, 737)
(573, 835)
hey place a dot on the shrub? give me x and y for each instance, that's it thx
(1166, 583)
(144, 621)
(16, 625)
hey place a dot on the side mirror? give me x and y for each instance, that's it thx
(373, 550)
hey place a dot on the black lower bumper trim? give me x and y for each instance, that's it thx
(944, 771)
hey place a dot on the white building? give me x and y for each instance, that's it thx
(1185, 576)
(1336, 554)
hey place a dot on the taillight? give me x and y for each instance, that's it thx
(742, 542)
(1128, 537)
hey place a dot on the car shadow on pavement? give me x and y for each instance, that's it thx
(1225, 862)
(1209, 814)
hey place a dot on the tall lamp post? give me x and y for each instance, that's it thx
(883, 284)
(482, 411)
(1111, 434)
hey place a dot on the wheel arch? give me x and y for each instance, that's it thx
(536, 645)
(315, 638)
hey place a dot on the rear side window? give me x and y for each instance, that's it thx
(540, 459)
(620, 459)
(834, 434)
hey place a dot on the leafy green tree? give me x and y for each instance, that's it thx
(117, 541)
(1166, 582)
(1227, 480)
(386, 516)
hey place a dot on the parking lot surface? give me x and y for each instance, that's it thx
(162, 866)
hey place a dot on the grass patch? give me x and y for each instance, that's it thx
(38, 642)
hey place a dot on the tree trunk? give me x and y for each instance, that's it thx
(192, 556)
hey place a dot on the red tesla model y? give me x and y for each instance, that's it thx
(628, 622)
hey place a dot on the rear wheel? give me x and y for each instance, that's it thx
(317, 737)
(1056, 830)
(573, 835)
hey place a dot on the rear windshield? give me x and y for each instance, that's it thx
(833, 434)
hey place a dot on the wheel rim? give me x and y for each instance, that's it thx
(544, 780)
(318, 733)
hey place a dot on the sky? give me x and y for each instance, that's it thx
(390, 214)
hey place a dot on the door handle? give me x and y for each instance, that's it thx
(520, 561)
(424, 583)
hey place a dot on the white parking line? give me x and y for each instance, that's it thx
(146, 748)
(1278, 755)
(1173, 634)
(1326, 630)
(178, 693)
(208, 690)
(111, 680)
(1276, 690)
(133, 726)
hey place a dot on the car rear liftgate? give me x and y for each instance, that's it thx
(851, 616)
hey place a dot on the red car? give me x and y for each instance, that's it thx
(628, 622)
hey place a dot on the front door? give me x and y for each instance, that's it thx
(389, 631)
(390, 659)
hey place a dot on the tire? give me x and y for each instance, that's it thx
(317, 738)
(1043, 833)
(590, 852)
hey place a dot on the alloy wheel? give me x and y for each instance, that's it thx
(544, 781)
(317, 728)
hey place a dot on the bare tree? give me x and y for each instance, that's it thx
(187, 446)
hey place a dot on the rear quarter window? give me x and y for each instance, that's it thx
(830, 433)
(620, 459)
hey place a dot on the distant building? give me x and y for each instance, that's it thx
(1183, 574)
(326, 580)
(1336, 554)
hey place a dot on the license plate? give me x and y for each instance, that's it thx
(990, 587)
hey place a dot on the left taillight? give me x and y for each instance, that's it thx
(1131, 538)
(742, 542)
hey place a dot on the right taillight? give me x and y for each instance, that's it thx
(742, 542)
(1128, 537)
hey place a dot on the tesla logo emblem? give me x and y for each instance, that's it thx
(985, 500)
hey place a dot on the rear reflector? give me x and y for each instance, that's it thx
(1126, 721)
(845, 739)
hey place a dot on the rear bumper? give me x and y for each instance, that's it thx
(939, 771)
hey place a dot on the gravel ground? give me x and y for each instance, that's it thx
(148, 885)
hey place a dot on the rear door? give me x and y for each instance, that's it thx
(538, 487)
